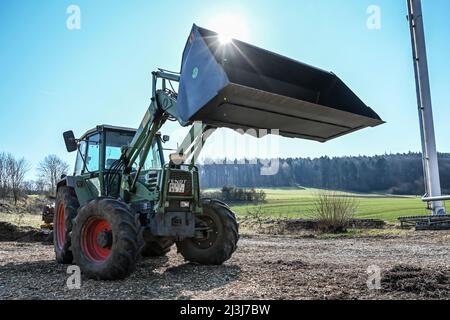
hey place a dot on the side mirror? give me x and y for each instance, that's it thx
(165, 138)
(71, 142)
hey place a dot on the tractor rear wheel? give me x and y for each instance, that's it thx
(66, 206)
(105, 239)
(157, 248)
(219, 241)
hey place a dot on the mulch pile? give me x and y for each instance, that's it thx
(429, 283)
(11, 232)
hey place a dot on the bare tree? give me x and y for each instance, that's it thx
(3, 176)
(39, 186)
(51, 169)
(15, 171)
(29, 187)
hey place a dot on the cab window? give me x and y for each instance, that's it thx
(114, 142)
(93, 153)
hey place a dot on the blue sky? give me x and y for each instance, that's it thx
(54, 79)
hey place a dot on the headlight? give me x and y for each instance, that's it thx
(184, 204)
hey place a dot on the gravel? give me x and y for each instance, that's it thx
(264, 267)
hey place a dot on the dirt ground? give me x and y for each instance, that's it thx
(416, 266)
(12, 232)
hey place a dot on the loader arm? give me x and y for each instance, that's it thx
(194, 141)
(163, 106)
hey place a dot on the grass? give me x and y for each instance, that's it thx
(295, 203)
(366, 233)
(22, 219)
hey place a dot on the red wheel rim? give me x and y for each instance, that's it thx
(89, 240)
(60, 226)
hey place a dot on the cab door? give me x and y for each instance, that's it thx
(87, 169)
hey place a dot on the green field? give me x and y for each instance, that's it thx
(292, 203)
(295, 203)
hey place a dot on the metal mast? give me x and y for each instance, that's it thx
(429, 153)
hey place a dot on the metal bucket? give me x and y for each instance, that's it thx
(238, 85)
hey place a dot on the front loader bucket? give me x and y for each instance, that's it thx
(237, 85)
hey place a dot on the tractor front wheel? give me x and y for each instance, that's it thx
(218, 235)
(105, 239)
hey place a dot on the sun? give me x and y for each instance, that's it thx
(229, 26)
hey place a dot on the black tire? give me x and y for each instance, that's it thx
(157, 248)
(66, 200)
(220, 244)
(118, 256)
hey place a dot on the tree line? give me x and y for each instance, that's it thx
(389, 173)
(13, 171)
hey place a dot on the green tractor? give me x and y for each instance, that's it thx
(106, 214)
(125, 200)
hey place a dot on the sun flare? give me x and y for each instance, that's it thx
(229, 26)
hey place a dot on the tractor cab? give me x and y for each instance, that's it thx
(100, 147)
(98, 166)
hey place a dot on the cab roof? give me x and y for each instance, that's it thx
(103, 127)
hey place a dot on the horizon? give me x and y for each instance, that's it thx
(230, 161)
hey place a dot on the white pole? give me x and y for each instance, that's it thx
(429, 153)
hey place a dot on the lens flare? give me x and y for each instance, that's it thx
(229, 26)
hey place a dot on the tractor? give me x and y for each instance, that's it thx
(125, 200)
